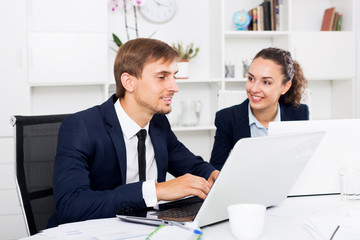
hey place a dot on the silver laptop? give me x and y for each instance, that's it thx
(258, 170)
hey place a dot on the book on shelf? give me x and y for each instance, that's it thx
(328, 19)
(334, 24)
(338, 22)
(273, 15)
(255, 19)
(267, 16)
(277, 18)
(250, 27)
(331, 20)
(260, 11)
(280, 15)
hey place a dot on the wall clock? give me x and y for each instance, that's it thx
(158, 11)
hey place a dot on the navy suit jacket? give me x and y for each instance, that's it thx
(90, 165)
(232, 124)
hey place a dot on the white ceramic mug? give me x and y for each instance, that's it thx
(247, 220)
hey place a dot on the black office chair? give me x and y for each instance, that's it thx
(35, 143)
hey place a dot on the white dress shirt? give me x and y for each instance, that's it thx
(129, 128)
(256, 128)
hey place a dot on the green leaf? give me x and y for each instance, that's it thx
(186, 52)
(117, 40)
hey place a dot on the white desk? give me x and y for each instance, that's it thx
(276, 228)
(283, 222)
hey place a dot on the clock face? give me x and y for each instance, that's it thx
(158, 10)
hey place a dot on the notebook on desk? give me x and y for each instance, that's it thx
(258, 170)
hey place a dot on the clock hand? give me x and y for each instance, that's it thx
(160, 4)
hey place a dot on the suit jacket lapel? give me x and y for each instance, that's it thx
(241, 116)
(114, 129)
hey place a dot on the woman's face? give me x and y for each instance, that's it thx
(265, 85)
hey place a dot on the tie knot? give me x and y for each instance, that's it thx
(141, 134)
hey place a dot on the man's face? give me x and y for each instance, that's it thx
(156, 87)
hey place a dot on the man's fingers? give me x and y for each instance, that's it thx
(183, 186)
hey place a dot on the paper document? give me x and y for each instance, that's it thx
(339, 223)
(104, 229)
(301, 207)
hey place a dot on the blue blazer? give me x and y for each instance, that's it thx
(232, 124)
(90, 164)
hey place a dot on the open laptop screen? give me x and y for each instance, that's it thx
(258, 170)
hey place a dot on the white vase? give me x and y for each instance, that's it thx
(183, 67)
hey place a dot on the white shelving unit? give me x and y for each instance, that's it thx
(67, 55)
(327, 58)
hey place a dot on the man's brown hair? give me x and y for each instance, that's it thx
(132, 56)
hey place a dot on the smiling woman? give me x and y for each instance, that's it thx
(264, 87)
(274, 89)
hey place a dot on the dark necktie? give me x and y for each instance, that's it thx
(141, 154)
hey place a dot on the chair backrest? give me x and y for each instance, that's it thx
(35, 149)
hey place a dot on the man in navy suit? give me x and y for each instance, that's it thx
(96, 168)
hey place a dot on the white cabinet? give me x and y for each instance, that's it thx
(331, 56)
(67, 58)
(55, 99)
(67, 16)
(330, 69)
(67, 55)
(327, 58)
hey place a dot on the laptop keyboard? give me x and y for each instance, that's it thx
(182, 212)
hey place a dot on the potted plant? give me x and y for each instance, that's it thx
(186, 53)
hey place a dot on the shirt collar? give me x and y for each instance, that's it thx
(253, 120)
(128, 126)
